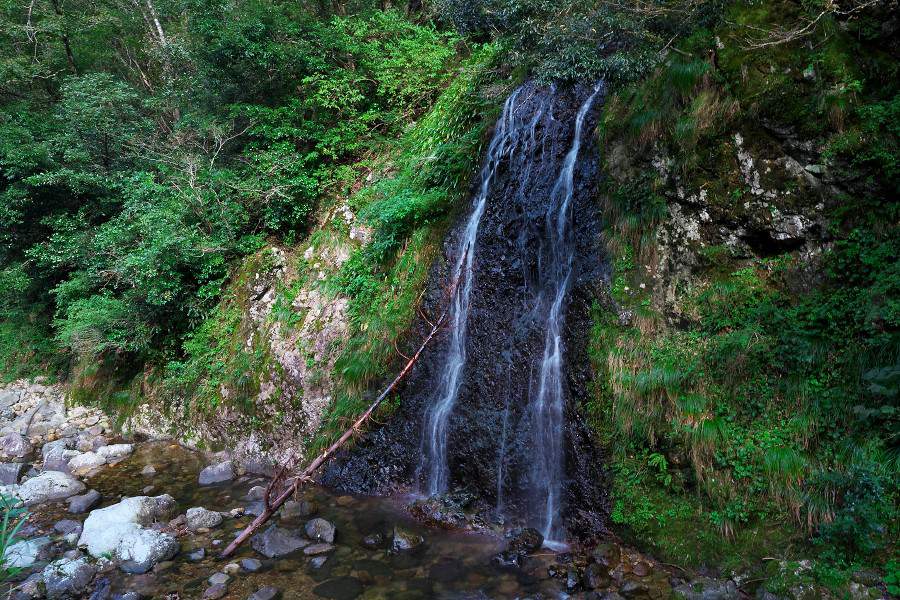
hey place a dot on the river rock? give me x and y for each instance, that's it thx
(276, 542)
(214, 592)
(404, 539)
(217, 473)
(57, 445)
(118, 531)
(525, 540)
(219, 579)
(84, 502)
(68, 578)
(58, 459)
(320, 530)
(23, 554)
(10, 473)
(148, 471)
(85, 463)
(49, 485)
(257, 492)
(199, 517)
(373, 541)
(251, 565)
(296, 510)
(264, 593)
(14, 445)
(316, 549)
(115, 452)
(706, 588)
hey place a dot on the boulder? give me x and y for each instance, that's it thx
(84, 502)
(115, 452)
(276, 542)
(10, 473)
(14, 445)
(217, 473)
(24, 554)
(404, 539)
(56, 446)
(320, 530)
(68, 578)
(118, 531)
(49, 485)
(85, 463)
(58, 459)
(199, 517)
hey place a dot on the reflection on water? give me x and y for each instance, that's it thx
(448, 565)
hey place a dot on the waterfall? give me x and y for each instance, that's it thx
(491, 399)
(433, 472)
(548, 404)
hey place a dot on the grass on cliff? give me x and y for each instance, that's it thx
(759, 420)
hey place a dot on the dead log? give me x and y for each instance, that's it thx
(271, 506)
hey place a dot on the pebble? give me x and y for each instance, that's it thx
(266, 593)
(231, 568)
(148, 471)
(215, 592)
(251, 564)
(219, 579)
(197, 555)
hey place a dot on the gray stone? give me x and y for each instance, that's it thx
(115, 452)
(215, 592)
(148, 471)
(67, 526)
(85, 463)
(10, 473)
(66, 577)
(49, 485)
(119, 531)
(316, 549)
(14, 445)
(197, 555)
(706, 588)
(219, 579)
(251, 565)
(199, 518)
(257, 492)
(320, 530)
(84, 502)
(318, 562)
(295, 510)
(58, 460)
(217, 473)
(24, 554)
(56, 446)
(276, 542)
(265, 593)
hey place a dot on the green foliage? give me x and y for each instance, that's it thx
(13, 518)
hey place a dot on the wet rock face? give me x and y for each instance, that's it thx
(490, 442)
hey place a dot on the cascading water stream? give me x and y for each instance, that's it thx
(548, 404)
(433, 472)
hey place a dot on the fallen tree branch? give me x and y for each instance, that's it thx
(271, 506)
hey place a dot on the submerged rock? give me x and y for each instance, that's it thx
(264, 593)
(320, 530)
(199, 517)
(217, 473)
(404, 539)
(251, 565)
(214, 592)
(276, 542)
(67, 577)
(340, 588)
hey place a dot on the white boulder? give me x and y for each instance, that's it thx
(49, 485)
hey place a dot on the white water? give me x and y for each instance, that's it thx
(548, 405)
(434, 472)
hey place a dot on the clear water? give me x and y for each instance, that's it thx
(449, 565)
